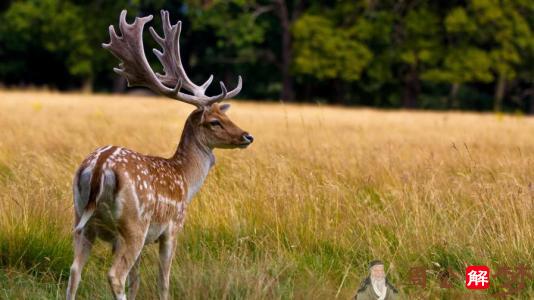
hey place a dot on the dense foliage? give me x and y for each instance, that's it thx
(476, 54)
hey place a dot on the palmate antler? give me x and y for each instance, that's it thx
(134, 66)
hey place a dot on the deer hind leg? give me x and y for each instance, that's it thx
(127, 249)
(83, 242)
(167, 247)
(133, 279)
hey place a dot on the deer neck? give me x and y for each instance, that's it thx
(194, 157)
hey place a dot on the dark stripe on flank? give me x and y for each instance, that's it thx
(97, 177)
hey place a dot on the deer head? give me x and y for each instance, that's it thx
(218, 131)
(210, 124)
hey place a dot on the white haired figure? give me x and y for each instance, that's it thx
(376, 286)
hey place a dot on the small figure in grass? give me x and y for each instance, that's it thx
(376, 285)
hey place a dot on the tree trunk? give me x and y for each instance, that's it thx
(412, 87)
(288, 93)
(339, 87)
(87, 85)
(308, 88)
(531, 109)
(500, 89)
(453, 97)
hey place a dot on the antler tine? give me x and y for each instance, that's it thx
(205, 85)
(122, 21)
(237, 89)
(225, 94)
(170, 56)
(223, 89)
(128, 48)
(156, 36)
(172, 64)
(166, 21)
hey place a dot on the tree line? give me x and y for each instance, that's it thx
(476, 54)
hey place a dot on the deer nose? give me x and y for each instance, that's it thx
(248, 138)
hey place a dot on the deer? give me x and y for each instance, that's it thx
(128, 199)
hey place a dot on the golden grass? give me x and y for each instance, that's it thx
(320, 193)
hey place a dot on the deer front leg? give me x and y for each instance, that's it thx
(133, 279)
(83, 242)
(126, 252)
(167, 247)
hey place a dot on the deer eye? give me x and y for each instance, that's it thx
(215, 123)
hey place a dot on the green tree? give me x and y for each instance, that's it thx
(272, 18)
(50, 27)
(225, 33)
(404, 39)
(326, 51)
(463, 62)
(508, 33)
(419, 47)
(379, 81)
(383, 53)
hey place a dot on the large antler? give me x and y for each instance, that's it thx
(134, 66)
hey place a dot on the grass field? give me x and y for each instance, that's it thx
(299, 214)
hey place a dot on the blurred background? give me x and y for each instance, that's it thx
(467, 55)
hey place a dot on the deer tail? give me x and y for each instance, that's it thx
(90, 187)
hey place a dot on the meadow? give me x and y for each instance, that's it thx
(299, 214)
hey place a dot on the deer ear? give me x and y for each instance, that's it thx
(224, 107)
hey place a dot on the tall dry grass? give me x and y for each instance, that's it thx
(320, 193)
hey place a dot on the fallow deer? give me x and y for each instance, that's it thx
(130, 199)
